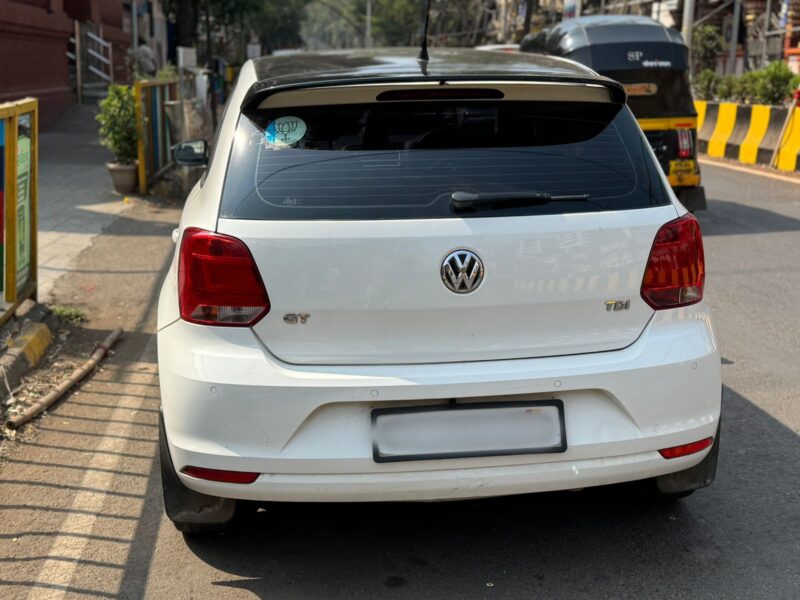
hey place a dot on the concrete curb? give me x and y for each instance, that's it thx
(749, 133)
(29, 346)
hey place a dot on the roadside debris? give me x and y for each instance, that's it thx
(77, 375)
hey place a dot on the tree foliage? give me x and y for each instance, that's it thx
(342, 23)
(707, 45)
(774, 84)
(276, 23)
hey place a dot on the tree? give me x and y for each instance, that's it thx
(277, 23)
(185, 14)
(526, 27)
(707, 45)
(397, 22)
(341, 23)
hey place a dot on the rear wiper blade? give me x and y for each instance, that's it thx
(464, 200)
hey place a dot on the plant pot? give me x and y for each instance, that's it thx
(125, 177)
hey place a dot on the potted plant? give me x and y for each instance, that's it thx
(118, 133)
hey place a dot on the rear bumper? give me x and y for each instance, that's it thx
(228, 404)
(449, 484)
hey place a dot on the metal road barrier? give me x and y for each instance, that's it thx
(750, 133)
(151, 121)
(19, 171)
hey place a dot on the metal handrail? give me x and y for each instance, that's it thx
(712, 13)
(98, 56)
(98, 39)
(99, 73)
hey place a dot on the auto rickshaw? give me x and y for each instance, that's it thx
(652, 62)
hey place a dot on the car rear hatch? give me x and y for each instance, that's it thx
(348, 212)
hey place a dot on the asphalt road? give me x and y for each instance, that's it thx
(80, 509)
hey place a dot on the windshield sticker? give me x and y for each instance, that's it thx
(284, 132)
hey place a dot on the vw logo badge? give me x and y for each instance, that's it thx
(462, 271)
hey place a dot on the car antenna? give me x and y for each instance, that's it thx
(422, 57)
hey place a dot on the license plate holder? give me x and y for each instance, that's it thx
(515, 416)
(682, 168)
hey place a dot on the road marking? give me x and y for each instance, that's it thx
(749, 170)
(55, 575)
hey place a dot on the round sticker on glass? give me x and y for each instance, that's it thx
(285, 131)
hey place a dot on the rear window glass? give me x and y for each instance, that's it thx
(404, 160)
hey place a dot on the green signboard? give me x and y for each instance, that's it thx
(2, 205)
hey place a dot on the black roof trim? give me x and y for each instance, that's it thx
(399, 65)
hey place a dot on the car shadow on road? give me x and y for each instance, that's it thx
(732, 218)
(730, 538)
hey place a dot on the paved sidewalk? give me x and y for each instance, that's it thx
(80, 501)
(76, 198)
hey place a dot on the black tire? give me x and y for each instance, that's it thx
(190, 511)
(670, 496)
(200, 528)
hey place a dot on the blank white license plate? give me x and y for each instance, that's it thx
(484, 429)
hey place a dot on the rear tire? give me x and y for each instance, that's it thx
(200, 528)
(190, 511)
(669, 496)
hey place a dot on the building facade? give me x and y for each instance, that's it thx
(35, 43)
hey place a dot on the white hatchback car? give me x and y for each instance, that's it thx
(459, 280)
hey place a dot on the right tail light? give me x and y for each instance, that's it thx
(675, 273)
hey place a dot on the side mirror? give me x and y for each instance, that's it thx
(193, 153)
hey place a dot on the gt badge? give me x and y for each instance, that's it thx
(295, 318)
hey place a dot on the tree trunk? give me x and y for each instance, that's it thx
(186, 23)
(526, 26)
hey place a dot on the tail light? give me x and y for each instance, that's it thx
(218, 281)
(220, 475)
(686, 449)
(675, 273)
(684, 143)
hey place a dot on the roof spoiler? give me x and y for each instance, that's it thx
(261, 90)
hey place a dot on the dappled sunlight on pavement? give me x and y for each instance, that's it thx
(76, 197)
(74, 496)
(85, 477)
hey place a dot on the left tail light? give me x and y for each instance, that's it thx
(685, 149)
(218, 281)
(220, 475)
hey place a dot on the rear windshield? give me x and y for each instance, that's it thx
(403, 160)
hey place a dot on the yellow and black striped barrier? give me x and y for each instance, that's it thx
(749, 133)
